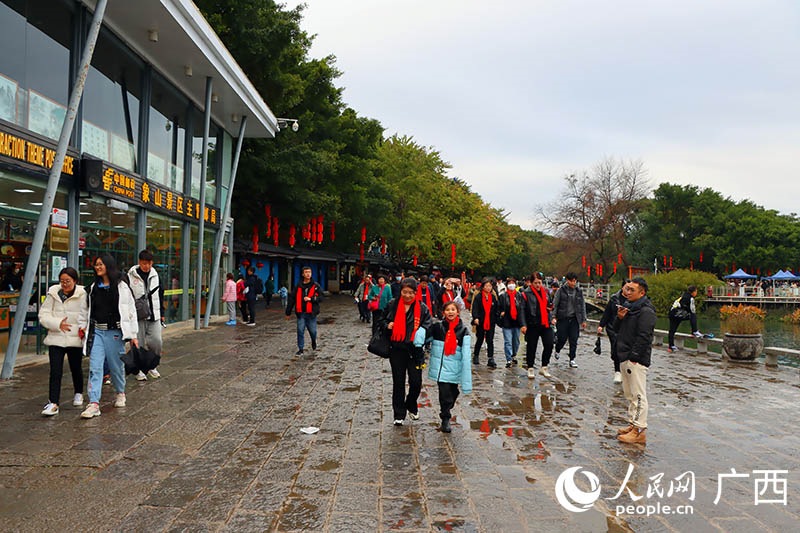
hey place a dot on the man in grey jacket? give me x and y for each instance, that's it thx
(635, 322)
(569, 309)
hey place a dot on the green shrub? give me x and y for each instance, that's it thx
(663, 289)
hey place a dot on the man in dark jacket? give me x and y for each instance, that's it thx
(635, 322)
(537, 325)
(304, 302)
(570, 310)
(606, 321)
(251, 293)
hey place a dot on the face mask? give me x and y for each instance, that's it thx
(511, 286)
(397, 278)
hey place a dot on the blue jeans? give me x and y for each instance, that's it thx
(306, 321)
(108, 346)
(510, 342)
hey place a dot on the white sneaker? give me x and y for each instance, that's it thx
(77, 401)
(573, 363)
(120, 400)
(140, 376)
(413, 416)
(154, 374)
(398, 422)
(91, 411)
(50, 409)
(543, 371)
(617, 377)
(698, 334)
(531, 373)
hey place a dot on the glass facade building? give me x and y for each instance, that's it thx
(133, 176)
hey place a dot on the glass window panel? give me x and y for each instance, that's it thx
(164, 240)
(107, 230)
(197, 159)
(167, 135)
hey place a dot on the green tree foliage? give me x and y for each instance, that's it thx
(665, 288)
(683, 220)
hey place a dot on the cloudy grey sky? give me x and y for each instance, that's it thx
(516, 94)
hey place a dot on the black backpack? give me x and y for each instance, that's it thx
(259, 286)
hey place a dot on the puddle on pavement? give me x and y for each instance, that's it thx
(355, 388)
(328, 465)
(447, 469)
(264, 438)
(336, 378)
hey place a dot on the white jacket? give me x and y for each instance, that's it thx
(53, 311)
(127, 313)
(154, 284)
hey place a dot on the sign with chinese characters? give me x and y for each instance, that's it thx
(59, 239)
(102, 178)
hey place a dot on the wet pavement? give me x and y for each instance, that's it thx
(215, 444)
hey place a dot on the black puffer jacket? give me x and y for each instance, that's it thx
(635, 332)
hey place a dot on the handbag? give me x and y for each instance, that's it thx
(380, 343)
(374, 305)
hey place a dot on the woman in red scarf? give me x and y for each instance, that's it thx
(537, 318)
(484, 318)
(512, 320)
(408, 320)
(450, 365)
(362, 298)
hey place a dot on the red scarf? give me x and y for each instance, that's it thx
(299, 304)
(427, 295)
(487, 310)
(512, 302)
(450, 341)
(447, 296)
(367, 287)
(541, 297)
(399, 327)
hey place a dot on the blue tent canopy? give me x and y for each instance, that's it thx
(740, 274)
(783, 276)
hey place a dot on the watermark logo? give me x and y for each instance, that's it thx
(570, 496)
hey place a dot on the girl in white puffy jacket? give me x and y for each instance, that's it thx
(64, 314)
(112, 322)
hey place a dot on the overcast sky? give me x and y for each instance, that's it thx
(516, 94)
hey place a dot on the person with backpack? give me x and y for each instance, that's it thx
(512, 320)
(149, 300)
(683, 309)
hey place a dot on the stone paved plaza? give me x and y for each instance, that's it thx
(215, 444)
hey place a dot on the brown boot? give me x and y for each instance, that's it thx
(635, 436)
(626, 429)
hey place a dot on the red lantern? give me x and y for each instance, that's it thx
(246, 263)
(275, 227)
(259, 265)
(588, 271)
(583, 261)
(665, 261)
(383, 245)
(453, 254)
(670, 261)
(255, 239)
(701, 256)
(319, 230)
(268, 212)
(292, 233)
(414, 260)
(363, 234)
(619, 258)
(333, 231)
(615, 268)
(313, 232)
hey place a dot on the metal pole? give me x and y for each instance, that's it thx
(50, 193)
(198, 284)
(226, 211)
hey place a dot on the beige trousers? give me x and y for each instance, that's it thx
(634, 386)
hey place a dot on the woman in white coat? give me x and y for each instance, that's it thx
(112, 322)
(64, 314)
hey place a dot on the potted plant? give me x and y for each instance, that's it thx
(743, 325)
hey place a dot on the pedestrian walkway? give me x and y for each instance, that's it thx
(215, 444)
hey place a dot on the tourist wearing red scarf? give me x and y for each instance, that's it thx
(450, 363)
(408, 321)
(304, 302)
(362, 298)
(484, 318)
(450, 293)
(538, 325)
(512, 320)
(426, 293)
(381, 295)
